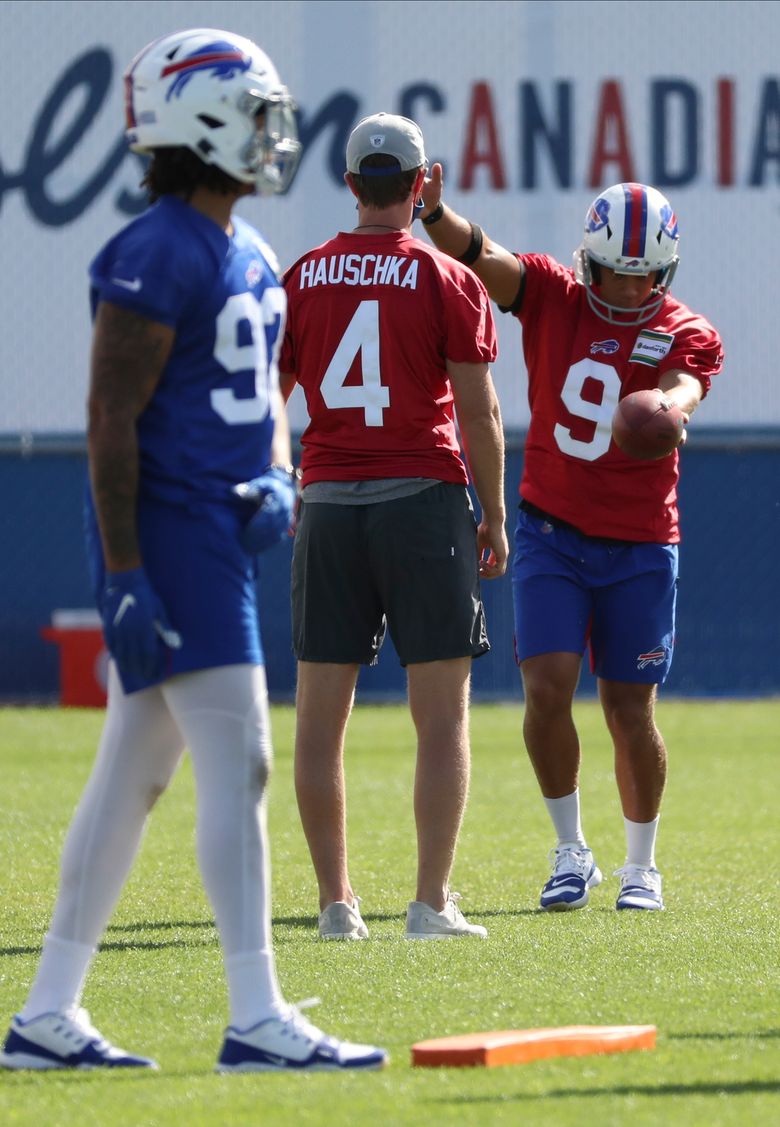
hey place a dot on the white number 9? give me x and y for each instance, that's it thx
(598, 413)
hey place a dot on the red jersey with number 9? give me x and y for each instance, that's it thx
(579, 366)
(372, 321)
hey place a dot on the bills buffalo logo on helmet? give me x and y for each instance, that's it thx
(653, 657)
(668, 222)
(222, 59)
(598, 216)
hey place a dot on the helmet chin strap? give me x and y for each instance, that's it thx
(618, 314)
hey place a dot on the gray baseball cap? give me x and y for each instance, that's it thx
(386, 133)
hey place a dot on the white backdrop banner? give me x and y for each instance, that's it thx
(531, 107)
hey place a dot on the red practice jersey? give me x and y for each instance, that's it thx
(579, 366)
(371, 323)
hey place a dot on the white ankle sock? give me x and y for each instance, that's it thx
(253, 988)
(640, 842)
(565, 814)
(60, 978)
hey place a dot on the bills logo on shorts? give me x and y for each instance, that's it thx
(653, 657)
(222, 59)
(608, 347)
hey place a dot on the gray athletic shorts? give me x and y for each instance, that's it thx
(408, 564)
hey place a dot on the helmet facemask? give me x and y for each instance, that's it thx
(273, 154)
(586, 271)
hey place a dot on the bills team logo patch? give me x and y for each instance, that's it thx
(653, 657)
(221, 59)
(607, 347)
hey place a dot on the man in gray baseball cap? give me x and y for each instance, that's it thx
(390, 135)
(388, 338)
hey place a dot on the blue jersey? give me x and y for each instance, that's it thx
(209, 423)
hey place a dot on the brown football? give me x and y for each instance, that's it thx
(646, 425)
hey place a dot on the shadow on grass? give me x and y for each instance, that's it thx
(148, 925)
(737, 1088)
(159, 925)
(68, 1076)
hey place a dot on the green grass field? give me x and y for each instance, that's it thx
(705, 971)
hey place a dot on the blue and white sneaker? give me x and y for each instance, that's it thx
(639, 888)
(574, 873)
(66, 1040)
(292, 1044)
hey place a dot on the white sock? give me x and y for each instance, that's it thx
(565, 814)
(640, 842)
(60, 978)
(253, 988)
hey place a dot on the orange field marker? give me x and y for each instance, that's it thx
(518, 1046)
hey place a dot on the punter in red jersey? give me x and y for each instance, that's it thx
(388, 338)
(596, 542)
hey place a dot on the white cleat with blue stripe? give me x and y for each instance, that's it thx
(640, 887)
(292, 1044)
(63, 1040)
(574, 874)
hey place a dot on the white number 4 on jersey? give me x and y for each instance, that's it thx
(361, 336)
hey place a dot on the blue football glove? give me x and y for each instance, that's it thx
(275, 493)
(135, 625)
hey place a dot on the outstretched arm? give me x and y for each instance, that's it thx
(685, 391)
(683, 388)
(499, 269)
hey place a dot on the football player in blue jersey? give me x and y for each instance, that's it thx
(190, 476)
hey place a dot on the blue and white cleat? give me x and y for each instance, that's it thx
(65, 1040)
(574, 873)
(293, 1044)
(639, 888)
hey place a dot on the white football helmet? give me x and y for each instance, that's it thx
(632, 229)
(203, 89)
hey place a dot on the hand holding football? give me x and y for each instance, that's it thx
(646, 425)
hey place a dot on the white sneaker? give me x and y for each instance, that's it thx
(424, 922)
(574, 873)
(340, 920)
(66, 1040)
(639, 888)
(292, 1044)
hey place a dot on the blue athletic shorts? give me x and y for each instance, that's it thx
(570, 590)
(205, 580)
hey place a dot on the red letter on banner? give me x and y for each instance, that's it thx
(610, 145)
(481, 145)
